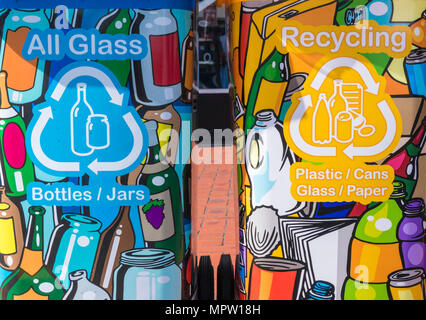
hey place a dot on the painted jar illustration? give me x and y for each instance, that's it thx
(147, 274)
(156, 79)
(25, 77)
(268, 161)
(97, 131)
(73, 246)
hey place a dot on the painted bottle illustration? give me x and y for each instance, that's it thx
(147, 274)
(405, 161)
(322, 133)
(418, 31)
(321, 290)
(274, 70)
(117, 238)
(17, 169)
(11, 233)
(337, 104)
(32, 280)
(268, 161)
(82, 289)
(73, 246)
(411, 234)
(88, 18)
(117, 21)
(187, 65)
(374, 252)
(161, 217)
(156, 79)
(26, 78)
(80, 113)
(169, 126)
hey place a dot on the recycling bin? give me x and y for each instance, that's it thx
(95, 117)
(330, 139)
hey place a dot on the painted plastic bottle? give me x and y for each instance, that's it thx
(321, 290)
(275, 73)
(161, 217)
(156, 79)
(411, 234)
(322, 133)
(374, 252)
(26, 78)
(17, 169)
(405, 161)
(268, 161)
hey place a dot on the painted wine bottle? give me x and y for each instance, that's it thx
(32, 280)
(115, 22)
(161, 217)
(17, 169)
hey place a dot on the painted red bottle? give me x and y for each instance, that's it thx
(17, 169)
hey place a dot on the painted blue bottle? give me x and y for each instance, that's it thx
(321, 290)
(73, 246)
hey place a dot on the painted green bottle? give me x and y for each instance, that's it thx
(115, 22)
(275, 69)
(32, 280)
(16, 167)
(161, 217)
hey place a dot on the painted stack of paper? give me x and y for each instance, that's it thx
(322, 244)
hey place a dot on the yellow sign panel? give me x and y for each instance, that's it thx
(342, 118)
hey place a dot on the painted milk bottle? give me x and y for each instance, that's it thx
(268, 161)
